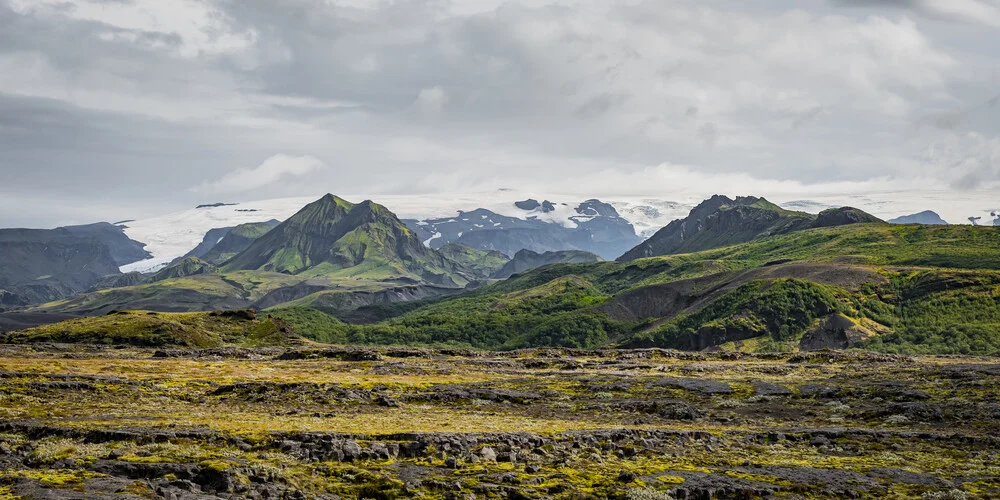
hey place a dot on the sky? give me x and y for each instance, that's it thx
(122, 109)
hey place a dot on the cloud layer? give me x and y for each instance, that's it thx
(160, 106)
(273, 171)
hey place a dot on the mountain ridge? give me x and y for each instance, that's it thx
(720, 221)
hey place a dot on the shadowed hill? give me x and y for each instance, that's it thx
(526, 260)
(482, 263)
(38, 265)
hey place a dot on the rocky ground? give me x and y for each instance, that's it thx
(101, 422)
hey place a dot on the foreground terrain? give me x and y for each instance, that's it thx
(321, 421)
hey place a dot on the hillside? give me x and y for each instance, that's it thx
(721, 221)
(526, 260)
(482, 263)
(901, 288)
(333, 237)
(157, 329)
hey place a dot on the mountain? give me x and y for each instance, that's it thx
(481, 263)
(720, 221)
(332, 255)
(333, 237)
(174, 235)
(39, 265)
(889, 288)
(525, 260)
(123, 249)
(591, 226)
(927, 217)
(237, 240)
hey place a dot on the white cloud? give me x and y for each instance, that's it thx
(274, 170)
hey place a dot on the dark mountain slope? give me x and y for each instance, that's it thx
(123, 249)
(191, 266)
(721, 221)
(526, 260)
(39, 265)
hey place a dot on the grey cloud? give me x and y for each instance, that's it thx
(138, 116)
(986, 12)
(807, 116)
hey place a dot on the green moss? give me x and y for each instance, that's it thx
(147, 328)
(56, 478)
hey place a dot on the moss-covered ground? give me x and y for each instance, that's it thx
(404, 422)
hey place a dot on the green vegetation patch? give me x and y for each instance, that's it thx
(154, 329)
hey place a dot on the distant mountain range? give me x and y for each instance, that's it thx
(736, 274)
(607, 229)
(928, 217)
(39, 265)
(596, 227)
(334, 255)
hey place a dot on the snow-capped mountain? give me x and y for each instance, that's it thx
(171, 236)
(592, 226)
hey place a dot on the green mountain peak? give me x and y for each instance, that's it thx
(334, 237)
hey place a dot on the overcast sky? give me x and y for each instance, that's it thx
(114, 109)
